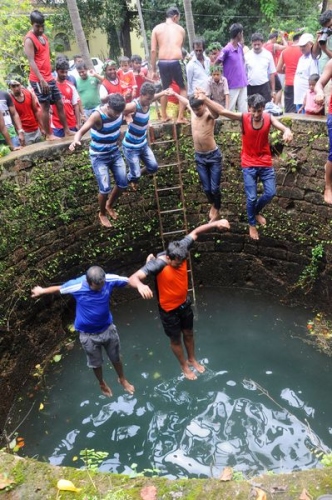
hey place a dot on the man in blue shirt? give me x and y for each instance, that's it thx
(94, 320)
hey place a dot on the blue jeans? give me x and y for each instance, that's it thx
(251, 175)
(133, 158)
(102, 165)
(209, 170)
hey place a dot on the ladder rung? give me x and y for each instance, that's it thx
(169, 189)
(170, 165)
(174, 232)
(172, 211)
(163, 142)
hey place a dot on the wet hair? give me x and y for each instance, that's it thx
(256, 101)
(116, 102)
(172, 11)
(124, 59)
(215, 68)
(36, 17)
(176, 250)
(272, 35)
(199, 41)
(147, 89)
(314, 77)
(325, 17)
(136, 58)
(61, 63)
(81, 66)
(297, 36)
(257, 37)
(235, 29)
(194, 102)
(95, 275)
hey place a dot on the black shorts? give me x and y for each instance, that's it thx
(278, 85)
(52, 96)
(172, 70)
(177, 320)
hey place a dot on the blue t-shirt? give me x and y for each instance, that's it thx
(93, 313)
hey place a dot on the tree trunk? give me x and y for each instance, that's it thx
(188, 13)
(79, 33)
(125, 36)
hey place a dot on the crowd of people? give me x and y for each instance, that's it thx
(239, 83)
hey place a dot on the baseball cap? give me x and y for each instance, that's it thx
(305, 38)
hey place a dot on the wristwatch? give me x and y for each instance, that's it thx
(21, 131)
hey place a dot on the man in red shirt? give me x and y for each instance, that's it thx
(70, 100)
(287, 64)
(28, 109)
(171, 273)
(256, 158)
(37, 50)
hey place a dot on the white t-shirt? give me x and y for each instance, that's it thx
(306, 66)
(259, 66)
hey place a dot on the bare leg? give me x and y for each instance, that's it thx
(104, 387)
(328, 182)
(182, 107)
(45, 118)
(188, 338)
(63, 119)
(163, 106)
(115, 194)
(102, 199)
(253, 233)
(213, 214)
(177, 349)
(118, 367)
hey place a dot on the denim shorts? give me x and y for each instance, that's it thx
(177, 320)
(102, 165)
(135, 156)
(59, 132)
(93, 343)
(53, 96)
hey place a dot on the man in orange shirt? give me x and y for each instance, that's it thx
(287, 64)
(171, 273)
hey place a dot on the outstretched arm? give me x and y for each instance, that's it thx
(37, 291)
(181, 98)
(288, 134)
(136, 281)
(217, 108)
(325, 77)
(218, 224)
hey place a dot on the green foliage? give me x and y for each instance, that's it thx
(327, 460)
(310, 272)
(93, 459)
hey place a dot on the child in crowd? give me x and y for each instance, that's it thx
(140, 75)
(110, 83)
(207, 155)
(135, 144)
(256, 158)
(309, 105)
(218, 87)
(213, 51)
(127, 79)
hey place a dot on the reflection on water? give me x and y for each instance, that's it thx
(263, 403)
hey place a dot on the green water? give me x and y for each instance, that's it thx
(263, 404)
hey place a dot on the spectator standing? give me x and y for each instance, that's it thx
(127, 79)
(166, 43)
(73, 72)
(5, 138)
(276, 49)
(28, 109)
(140, 75)
(260, 69)
(12, 121)
(306, 66)
(310, 106)
(110, 83)
(232, 59)
(287, 64)
(198, 68)
(322, 49)
(70, 100)
(37, 50)
(218, 87)
(88, 89)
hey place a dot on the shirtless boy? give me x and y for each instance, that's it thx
(166, 43)
(207, 155)
(256, 158)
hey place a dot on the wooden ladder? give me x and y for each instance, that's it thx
(170, 200)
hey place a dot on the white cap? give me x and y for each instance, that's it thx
(306, 38)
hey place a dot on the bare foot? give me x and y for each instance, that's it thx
(111, 212)
(70, 133)
(188, 373)
(51, 137)
(149, 493)
(184, 121)
(133, 186)
(105, 389)
(126, 385)
(166, 119)
(261, 220)
(213, 214)
(197, 366)
(328, 194)
(224, 223)
(104, 220)
(253, 233)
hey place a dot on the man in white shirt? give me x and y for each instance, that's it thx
(260, 69)
(198, 68)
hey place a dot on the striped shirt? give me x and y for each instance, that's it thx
(104, 140)
(136, 134)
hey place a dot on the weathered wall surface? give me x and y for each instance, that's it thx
(50, 233)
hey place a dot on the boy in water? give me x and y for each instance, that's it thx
(135, 144)
(105, 124)
(207, 155)
(256, 158)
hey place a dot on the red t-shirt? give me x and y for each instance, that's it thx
(70, 97)
(42, 58)
(290, 57)
(25, 111)
(255, 142)
(112, 88)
